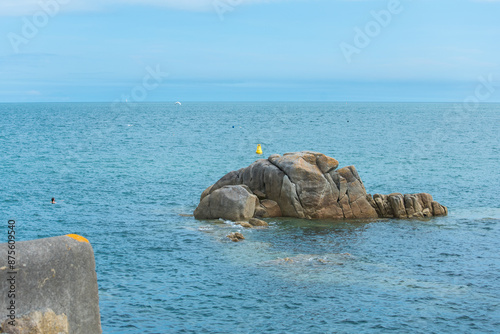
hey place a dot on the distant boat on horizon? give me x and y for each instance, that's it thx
(178, 103)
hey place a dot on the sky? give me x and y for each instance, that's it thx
(249, 50)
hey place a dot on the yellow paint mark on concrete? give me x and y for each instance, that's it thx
(3, 268)
(77, 237)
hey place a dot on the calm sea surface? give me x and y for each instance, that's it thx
(124, 175)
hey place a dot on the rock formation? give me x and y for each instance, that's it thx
(236, 237)
(305, 185)
(253, 223)
(239, 198)
(55, 287)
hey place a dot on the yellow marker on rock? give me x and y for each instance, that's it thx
(77, 237)
(259, 149)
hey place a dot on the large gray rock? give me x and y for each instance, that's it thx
(231, 202)
(307, 185)
(56, 280)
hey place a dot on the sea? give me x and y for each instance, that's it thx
(128, 176)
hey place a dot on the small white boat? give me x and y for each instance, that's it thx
(178, 103)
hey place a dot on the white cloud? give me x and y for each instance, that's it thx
(27, 7)
(197, 5)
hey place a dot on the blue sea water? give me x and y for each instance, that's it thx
(127, 177)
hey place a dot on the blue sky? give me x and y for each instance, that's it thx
(283, 50)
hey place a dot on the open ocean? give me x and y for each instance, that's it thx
(125, 176)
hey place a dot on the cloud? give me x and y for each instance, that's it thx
(194, 5)
(28, 7)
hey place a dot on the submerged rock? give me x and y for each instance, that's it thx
(257, 222)
(236, 237)
(312, 260)
(305, 185)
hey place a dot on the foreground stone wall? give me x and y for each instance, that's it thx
(56, 287)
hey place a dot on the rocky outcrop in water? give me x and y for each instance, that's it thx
(236, 237)
(305, 185)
